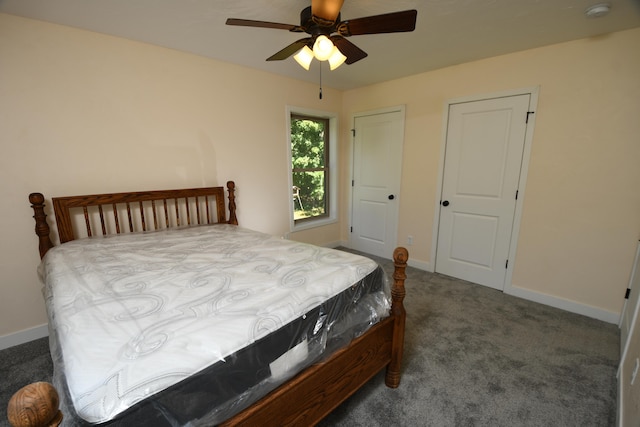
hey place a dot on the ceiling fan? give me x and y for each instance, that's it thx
(321, 20)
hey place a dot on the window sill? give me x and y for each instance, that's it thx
(305, 225)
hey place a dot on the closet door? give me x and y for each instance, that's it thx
(630, 309)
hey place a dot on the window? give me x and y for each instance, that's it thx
(312, 181)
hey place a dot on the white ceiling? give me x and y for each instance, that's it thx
(447, 32)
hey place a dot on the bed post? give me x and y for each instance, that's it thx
(231, 187)
(42, 228)
(400, 257)
(35, 405)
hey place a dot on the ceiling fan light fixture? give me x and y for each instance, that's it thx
(323, 48)
(320, 39)
(325, 12)
(336, 59)
(304, 57)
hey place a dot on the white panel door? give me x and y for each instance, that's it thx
(631, 305)
(483, 158)
(377, 163)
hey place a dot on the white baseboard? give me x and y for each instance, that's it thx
(333, 245)
(564, 304)
(561, 303)
(420, 265)
(24, 336)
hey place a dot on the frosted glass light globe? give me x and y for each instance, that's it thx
(322, 48)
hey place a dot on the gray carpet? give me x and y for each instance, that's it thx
(21, 365)
(473, 357)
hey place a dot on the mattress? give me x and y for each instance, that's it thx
(189, 326)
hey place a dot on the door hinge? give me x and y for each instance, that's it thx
(353, 132)
(517, 194)
(351, 229)
(529, 113)
(353, 182)
(626, 294)
(506, 264)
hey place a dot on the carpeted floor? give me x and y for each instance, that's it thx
(473, 357)
(477, 357)
(21, 365)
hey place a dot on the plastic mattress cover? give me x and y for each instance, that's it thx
(190, 326)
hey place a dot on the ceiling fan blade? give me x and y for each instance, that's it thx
(290, 50)
(348, 49)
(325, 12)
(263, 24)
(396, 22)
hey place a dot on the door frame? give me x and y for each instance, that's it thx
(397, 108)
(524, 169)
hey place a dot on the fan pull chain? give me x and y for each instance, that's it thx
(320, 94)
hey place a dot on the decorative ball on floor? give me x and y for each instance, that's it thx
(35, 405)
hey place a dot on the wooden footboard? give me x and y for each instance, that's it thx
(304, 400)
(318, 390)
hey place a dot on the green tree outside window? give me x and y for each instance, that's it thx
(310, 171)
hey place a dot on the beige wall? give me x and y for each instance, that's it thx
(82, 112)
(78, 111)
(581, 208)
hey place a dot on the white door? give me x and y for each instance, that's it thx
(377, 167)
(628, 411)
(631, 305)
(483, 158)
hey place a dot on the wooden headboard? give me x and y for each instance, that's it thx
(116, 213)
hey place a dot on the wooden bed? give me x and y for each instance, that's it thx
(305, 399)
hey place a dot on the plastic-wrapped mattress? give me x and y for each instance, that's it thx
(189, 326)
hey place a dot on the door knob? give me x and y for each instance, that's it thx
(445, 203)
(391, 197)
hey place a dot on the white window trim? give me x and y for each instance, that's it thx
(333, 169)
